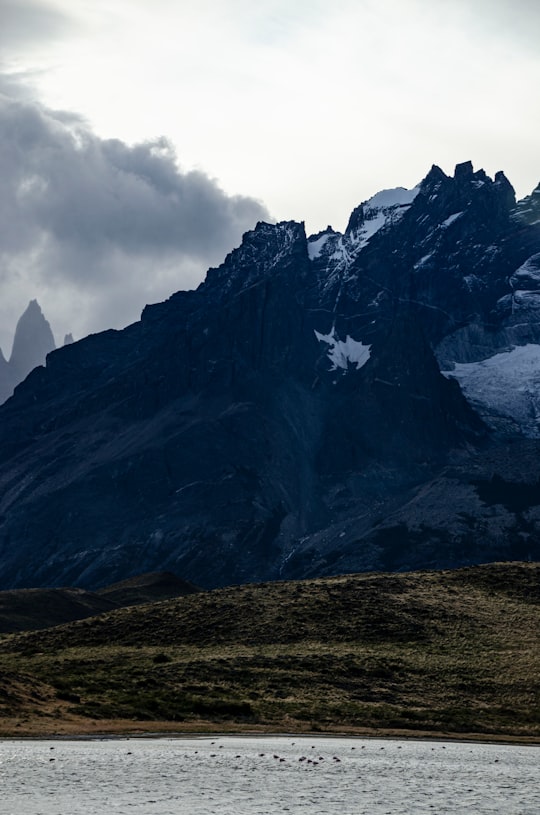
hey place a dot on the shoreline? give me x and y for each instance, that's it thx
(127, 729)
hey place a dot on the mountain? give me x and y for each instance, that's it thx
(317, 406)
(32, 342)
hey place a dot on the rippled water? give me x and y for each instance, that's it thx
(237, 776)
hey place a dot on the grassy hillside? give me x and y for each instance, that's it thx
(429, 652)
(147, 588)
(29, 609)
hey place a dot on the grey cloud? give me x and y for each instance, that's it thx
(514, 21)
(93, 193)
(115, 225)
(28, 21)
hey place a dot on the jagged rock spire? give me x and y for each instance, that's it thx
(33, 341)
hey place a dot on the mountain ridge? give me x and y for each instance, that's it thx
(288, 418)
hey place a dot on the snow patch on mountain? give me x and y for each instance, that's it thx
(341, 353)
(396, 197)
(451, 219)
(384, 207)
(316, 246)
(423, 260)
(507, 385)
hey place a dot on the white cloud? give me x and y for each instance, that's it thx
(312, 106)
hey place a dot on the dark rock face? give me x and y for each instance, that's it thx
(289, 418)
(33, 341)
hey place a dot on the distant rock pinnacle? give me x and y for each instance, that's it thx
(32, 342)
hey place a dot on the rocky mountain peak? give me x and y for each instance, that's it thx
(289, 417)
(381, 209)
(464, 170)
(528, 209)
(433, 179)
(487, 202)
(268, 249)
(506, 192)
(33, 340)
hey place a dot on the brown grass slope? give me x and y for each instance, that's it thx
(147, 588)
(454, 652)
(31, 609)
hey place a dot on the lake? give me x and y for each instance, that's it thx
(266, 775)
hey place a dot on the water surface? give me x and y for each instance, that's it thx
(266, 775)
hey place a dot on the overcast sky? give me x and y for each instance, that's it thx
(138, 139)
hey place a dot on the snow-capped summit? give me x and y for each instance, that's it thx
(382, 209)
(385, 207)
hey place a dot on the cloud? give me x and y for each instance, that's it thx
(96, 228)
(27, 21)
(514, 21)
